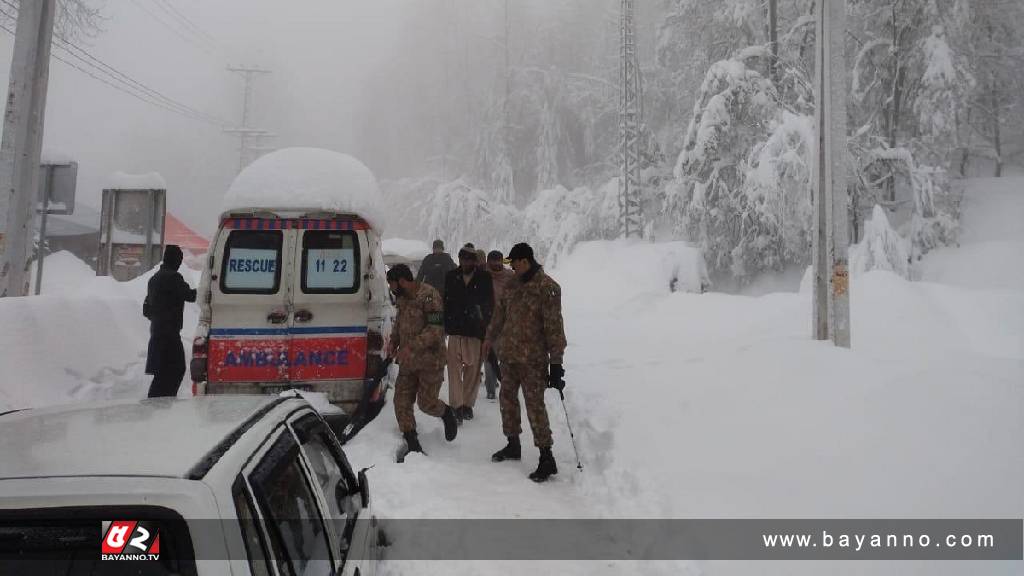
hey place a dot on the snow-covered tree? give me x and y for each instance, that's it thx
(881, 248)
(909, 80)
(743, 172)
(996, 105)
(75, 19)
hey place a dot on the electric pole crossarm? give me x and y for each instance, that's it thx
(245, 132)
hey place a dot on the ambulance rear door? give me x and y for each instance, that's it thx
(329, 301)
(251, 318)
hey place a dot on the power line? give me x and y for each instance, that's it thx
(118, 80)
(204, 47)
(75, 50)
(189, 24)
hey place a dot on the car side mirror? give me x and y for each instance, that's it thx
(364, 488)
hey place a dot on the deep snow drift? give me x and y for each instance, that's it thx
(84, 338)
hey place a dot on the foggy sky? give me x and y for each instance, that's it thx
(320, 52)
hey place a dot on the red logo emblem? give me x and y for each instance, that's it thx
(130, 540)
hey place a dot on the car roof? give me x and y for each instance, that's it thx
(154, 437)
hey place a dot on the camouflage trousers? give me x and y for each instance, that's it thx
(533, 379)
(420, 386)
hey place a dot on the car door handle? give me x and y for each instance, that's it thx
(277, 317)
(303, 315)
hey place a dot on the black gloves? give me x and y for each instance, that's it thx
(555, 377)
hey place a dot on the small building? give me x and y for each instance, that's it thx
(78, 233)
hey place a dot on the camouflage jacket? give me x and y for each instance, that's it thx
(527, 325)
(418, 332)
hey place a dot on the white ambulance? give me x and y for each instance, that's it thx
(294, 294)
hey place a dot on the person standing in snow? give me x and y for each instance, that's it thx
(529, 335)
(417, 343)
(468, 305)
(500, 275)
(435, 266)
(164, 306)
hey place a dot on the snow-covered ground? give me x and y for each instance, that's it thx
(717, 406)
(992, 241)
(684, 405)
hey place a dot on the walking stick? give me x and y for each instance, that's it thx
(579, 464)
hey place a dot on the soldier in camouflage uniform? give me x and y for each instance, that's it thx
(529, 336)
(417, 337)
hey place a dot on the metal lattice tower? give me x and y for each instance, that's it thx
(247, 135)
(630, 127)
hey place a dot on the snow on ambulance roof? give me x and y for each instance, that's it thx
(155, 437)
(307, 179)
(124, 181)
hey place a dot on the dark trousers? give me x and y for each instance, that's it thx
(166, 362)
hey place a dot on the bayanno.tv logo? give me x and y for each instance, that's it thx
(130, 540)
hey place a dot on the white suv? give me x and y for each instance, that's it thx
(212, 485)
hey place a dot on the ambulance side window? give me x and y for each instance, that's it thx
(252, 262)
(330, 262)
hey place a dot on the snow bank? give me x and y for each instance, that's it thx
(716, 406)
(64, 273)
(991, 238)
(411, 249)
(617, 271)
(84, 338)
(308, 178)
(124, 181)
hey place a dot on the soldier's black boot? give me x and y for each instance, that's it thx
(412, 444)
(451, 424)
(512, 451)
(546, 468)
(412, 441)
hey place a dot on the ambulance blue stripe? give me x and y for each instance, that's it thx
(305, 330)
(329, 330)
(248, 331)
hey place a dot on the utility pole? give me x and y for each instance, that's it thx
(630, 127)
(246, 133)
(773, 39)
(831, 314)
(22, 142)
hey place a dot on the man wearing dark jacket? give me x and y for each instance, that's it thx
(164, 306)
(435, 266)
(468, 304)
